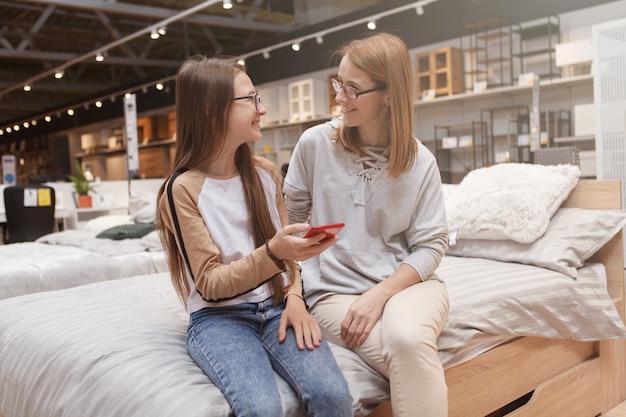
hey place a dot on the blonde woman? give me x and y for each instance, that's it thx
(223, 224)
(375, 290)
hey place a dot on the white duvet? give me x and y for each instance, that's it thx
(117, 348)
(70, 258)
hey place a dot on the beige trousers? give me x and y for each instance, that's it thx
(402, 346)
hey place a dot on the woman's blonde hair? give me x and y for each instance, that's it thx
(204, 92)
(385, 58)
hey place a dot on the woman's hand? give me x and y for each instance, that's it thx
(285, 245)
(305, 327)
(361, 318)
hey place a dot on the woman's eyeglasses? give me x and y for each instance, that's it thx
(256, 97)
(351, 92)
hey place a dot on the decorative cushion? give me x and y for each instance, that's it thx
(572, 237)
(127, 231)
(509, 201)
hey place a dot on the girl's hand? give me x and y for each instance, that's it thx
(285, 245)
(305, 327)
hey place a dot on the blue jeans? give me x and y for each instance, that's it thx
(237, 347)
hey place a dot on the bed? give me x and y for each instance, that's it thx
(76, 257)
(118, 347)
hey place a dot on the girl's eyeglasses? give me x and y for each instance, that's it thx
(351, 92)
(256, 97)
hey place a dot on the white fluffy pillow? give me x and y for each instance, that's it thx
(102, 223)
(509, 201)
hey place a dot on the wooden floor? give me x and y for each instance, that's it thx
(619, 411)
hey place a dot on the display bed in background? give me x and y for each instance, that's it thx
(118, 347)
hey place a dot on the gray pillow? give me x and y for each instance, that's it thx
(572, 237)
(127, 231)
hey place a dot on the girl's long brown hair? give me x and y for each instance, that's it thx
(386, 59)
(204, 89)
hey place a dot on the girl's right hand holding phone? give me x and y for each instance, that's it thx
(286, 245)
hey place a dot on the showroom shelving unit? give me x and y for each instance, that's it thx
(460, 148)
(538, 42)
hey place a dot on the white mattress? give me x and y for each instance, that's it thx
(117, 348)
(70, 259)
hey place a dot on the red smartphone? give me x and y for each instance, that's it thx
(330, 230)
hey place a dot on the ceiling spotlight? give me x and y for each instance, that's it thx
(371, 25)
(159, 86)
(419, 10)
(154, 34)
(241, 62)
(26, 125)
(16, 128)
(100, 56)
(227, 4)
(266, 54)
(33, 123)
(27, 87)
(59, 74)
(295, 46)
(319, 39)
(9, 130)
(98, 103)
(162, 31)
(48, 118)
(127, 96)
(70, 112)
(1, 132)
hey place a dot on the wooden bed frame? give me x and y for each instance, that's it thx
(560, 377)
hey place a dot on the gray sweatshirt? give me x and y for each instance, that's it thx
(389, 221)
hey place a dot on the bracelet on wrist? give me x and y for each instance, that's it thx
(279, 262)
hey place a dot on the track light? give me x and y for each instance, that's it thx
(48, 118)
(59, 74)
(162, 31)
(241, 62)
(227, 4)
(266, 54)
(70, 112)
(419, 9)
(26, 125)
(295, 46)
(27, 87)
(159, 86)
(100, 56)
(16, 128)
(319, 39)
(8, 129)
(371, 25)
(98, 103)
(33, 123)
(154, 34)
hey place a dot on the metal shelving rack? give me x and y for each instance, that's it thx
(462, 146)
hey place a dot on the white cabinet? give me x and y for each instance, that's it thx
(308, 99)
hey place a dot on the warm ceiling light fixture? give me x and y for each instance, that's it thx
(154, 34)
(266, 54)
(162, 31)
(159, 86)
(419, 10)
(371, 25)
(227, 4)
(319, 39)
(295, 46)
(27, 87)
(59, 74)
(48, 118)
(26, 125)
(100, 56)
(98, 103)
(70, 112)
